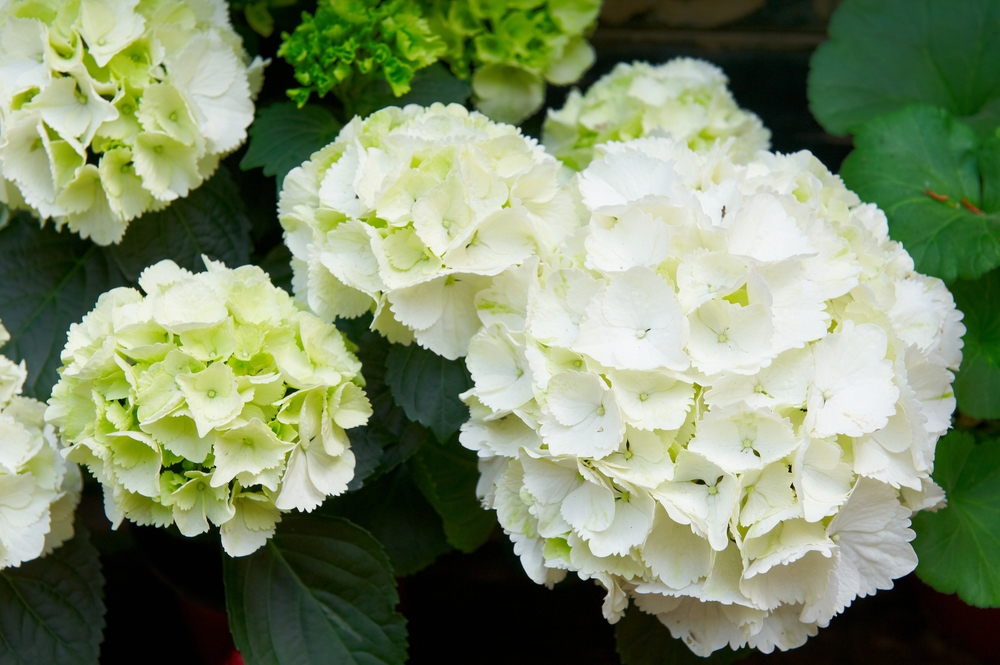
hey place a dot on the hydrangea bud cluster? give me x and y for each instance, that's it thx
(721, 399)
(684, 99)
(213, 398)
(410, 213)
(39, 490)
(351, 42)
(109, 109)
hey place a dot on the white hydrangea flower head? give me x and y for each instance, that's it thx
(720, 398)
(212, 398)
(411, 212)
(112, 108)
(39, 490)
(685, 99)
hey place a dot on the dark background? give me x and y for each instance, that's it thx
(164, 593)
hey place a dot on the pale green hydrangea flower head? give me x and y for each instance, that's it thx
(39, 490)
(212, 398)
(112, 108)
(720, 400)
(684, 99)
(411, 212)
(512, 49)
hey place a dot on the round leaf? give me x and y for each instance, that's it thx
(959, 546)
(320, 591)
(886, 54)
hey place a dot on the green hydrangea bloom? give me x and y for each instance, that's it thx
(511, 48)
(112, 108)
(351, 42)
(213, 398)
(685, 99)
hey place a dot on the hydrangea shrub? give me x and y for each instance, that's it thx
(720, 399)
(411, 212)
(39, 490)
(685, 99)
(212, 398)
(112, 109)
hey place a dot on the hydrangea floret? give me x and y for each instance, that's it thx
(511, 49)
(411, 212)
(685, 99)
(720, 400)
(112, 108)
(212, 398)
(349, 43)
(39, 490)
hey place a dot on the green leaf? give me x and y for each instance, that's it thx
(393, 510)
(641, 639)
(977, 384)
(52, 609)
(320, 591)
(427, 386)
(447, 476)
(284, 136)
(902, 162)
(886, 54)
(50, 280)
(429, 85)
(959, 546)
(211, 221)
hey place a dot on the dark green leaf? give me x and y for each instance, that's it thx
(284, 136)
(211, 221)
(427, 386)
(447, 476)
(430, 84)
(321, 591)
(642, 640)
(902, 162)
(977, 384)
(50, 280)
(395, 512)
(52, 609)
(886, 54)
(959, 546)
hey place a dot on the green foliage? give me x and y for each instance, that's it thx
(447, 475)
(977, 385)
(431, 84)
(907, 162)
(211, 221)
(320, 591)
(52, 609)
(50, 280)
(959, 546)
(283, 136)
(394, 511)
(427, 386)
(641, 639)
(885, 54)
(349, 42)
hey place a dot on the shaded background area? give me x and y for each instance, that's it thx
(164, 593)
